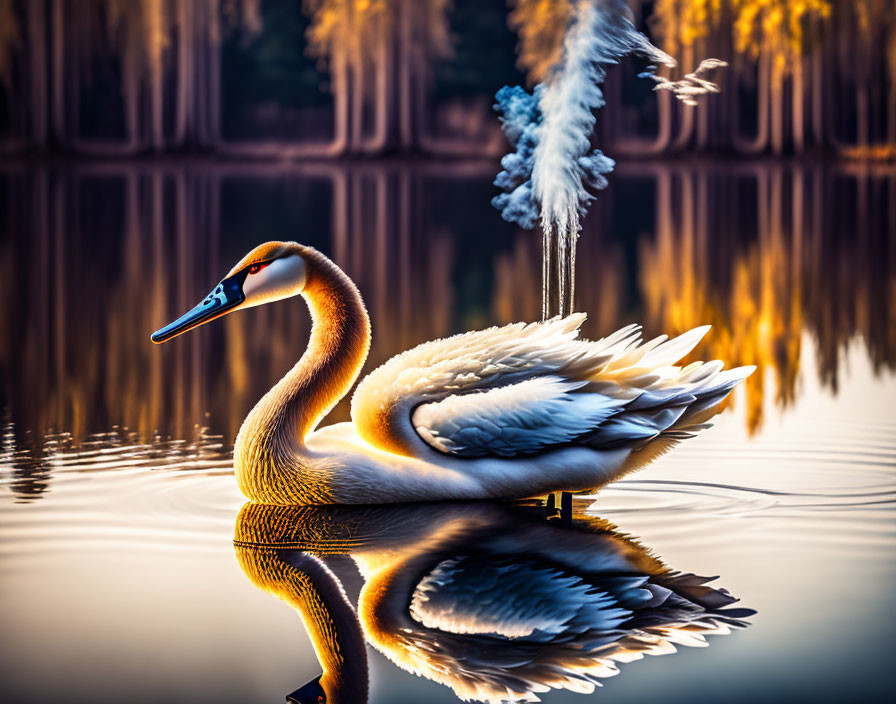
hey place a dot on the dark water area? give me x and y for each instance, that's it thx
(119, 575)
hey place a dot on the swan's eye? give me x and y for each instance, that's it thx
(257, 266)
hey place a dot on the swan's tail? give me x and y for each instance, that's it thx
(668, 402)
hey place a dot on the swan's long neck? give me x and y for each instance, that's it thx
(269, 453)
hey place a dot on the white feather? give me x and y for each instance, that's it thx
(513, 420)
(525, 388)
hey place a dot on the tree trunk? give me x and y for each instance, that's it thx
(184, 73)
(156, 85)
(37, 72)
(77, 59)
(703, 112)
(798, 98)
(862, 111)
(405, 89)
(58, 38)
(777, 107)
(686, 126)
(201, 56)
(664, 136)
(420, 86)
(214, 74)
(818, 94)
(760, 142)
(131, 97)
(830, 99)
(702, 126)
(357, 98)
(383, 97)
(340, 103)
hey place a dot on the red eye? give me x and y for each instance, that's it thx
(257, 266)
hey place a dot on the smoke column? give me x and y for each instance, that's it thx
(547, 175)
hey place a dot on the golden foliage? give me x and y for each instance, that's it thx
(680, 23)
(871, 15)
(142, 29)
(775, 27)
(353, 30)
(541, 26)
(346, 27)
(156, 28)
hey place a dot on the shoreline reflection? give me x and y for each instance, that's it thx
(96, 256)
(498, 602)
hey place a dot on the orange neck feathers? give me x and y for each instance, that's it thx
(267, 453)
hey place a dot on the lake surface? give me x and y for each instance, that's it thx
(119, 576)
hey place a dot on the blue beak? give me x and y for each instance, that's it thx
(227, 295)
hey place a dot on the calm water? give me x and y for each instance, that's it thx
(119, 576)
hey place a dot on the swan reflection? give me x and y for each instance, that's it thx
(499, 602)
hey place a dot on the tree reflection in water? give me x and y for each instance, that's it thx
(95, 256)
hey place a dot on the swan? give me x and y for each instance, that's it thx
(503, 413)
(495, 601)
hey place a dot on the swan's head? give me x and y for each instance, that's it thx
(271, 271)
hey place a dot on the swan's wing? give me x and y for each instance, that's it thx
(524, 388)
(514, 599)
(475, 362)
(512, 420)
(485, 359)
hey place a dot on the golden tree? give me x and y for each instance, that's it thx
(775, 27)
(377, 50)
(346, 35)
(678, 24)
(775, 33)
(541, 26)
(873, 24)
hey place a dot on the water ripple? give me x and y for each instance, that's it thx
(112, 492)
(112, 489)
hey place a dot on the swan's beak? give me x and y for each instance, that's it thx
(227, 295)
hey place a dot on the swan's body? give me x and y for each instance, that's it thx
(508, 412)
(493, 601)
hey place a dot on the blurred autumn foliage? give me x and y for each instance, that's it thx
(320, 78)
(792, 264)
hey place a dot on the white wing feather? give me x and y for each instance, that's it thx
(523, 388)
(511, 420)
